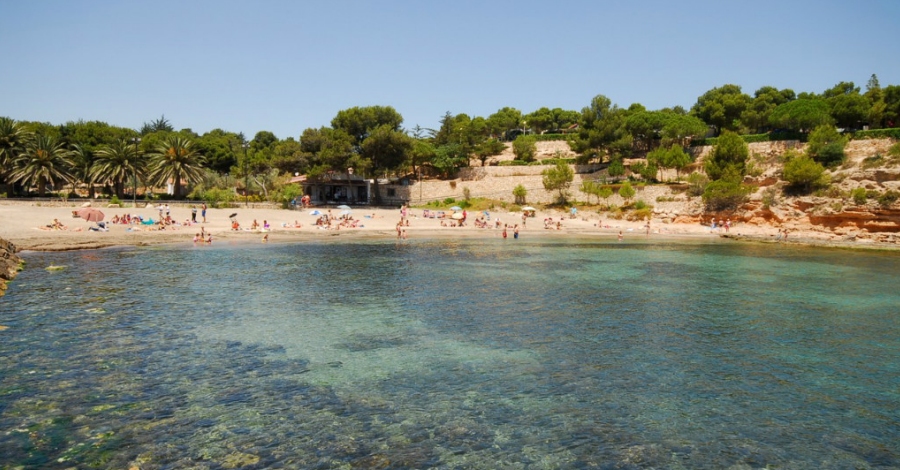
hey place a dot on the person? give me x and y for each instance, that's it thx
(727, 225)
(516, 232)
(197, 238)
(620, 235)
(504, 231)
(194, 214)
(209, 239)
(265, 238)
(203, 212)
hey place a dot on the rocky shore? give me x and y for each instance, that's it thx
(10, 264)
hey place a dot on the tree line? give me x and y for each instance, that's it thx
(35, 156)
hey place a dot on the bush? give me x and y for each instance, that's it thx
(804, 174)
(770, 197)
(115, 200)
(887, 198)
(859, 196)
(640, 204)
(724, 194)
(872, 162)
(826, 145)
(697, 183)
(449, 201)
(641, 214)
(893, 133)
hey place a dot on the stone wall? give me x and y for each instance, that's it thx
(10, 263)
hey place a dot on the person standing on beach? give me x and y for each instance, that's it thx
(194, 214)
(203, 211)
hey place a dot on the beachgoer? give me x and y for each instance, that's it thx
(203, 211)
(194, 214)
(516, 232)
(504, 231)
(265, 238)
(620, 235)
(197, 238)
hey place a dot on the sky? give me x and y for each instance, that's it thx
(285, 66)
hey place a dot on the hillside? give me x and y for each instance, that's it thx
(831, 214)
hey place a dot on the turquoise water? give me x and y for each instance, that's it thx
(453, 354)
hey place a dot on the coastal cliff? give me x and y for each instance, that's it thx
(10, 264)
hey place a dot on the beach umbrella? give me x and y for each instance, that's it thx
(528, 208)
(457, 216)
(456, 208)
(344, 207)
(315, 212)
(347, 212)
(90, 214)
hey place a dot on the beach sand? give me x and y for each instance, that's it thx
(22, 222)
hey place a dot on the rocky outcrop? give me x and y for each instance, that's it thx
(10, 264)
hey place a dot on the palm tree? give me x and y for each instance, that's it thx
(44, 160)
(175, 158)
(115, 163)
(83, 160)
(12, 142)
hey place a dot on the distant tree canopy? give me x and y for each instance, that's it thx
(371, 139)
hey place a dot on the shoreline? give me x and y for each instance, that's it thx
(21, 223)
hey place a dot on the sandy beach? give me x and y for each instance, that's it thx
(26, 225)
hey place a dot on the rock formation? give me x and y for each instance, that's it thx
(10, 264)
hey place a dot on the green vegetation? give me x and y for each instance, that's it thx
(38, 158)
(805, 174)
(859, 196)
(558, 179)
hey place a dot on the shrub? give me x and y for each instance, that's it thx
(449, 201)
(804, 174)
(626, 191)
(859, 196)
(887, 198)
(640, 214)
(770, 197)
(872, 162)
(724, 194)
(640, 204)
(115, 200)
(826, 145)
(893, 133)
(697, 183)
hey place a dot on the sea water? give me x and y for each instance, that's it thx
(453, 354)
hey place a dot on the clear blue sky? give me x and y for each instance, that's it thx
(284, 66)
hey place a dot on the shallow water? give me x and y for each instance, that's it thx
(453, 354)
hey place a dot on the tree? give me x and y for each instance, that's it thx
(730, 153)
(765, 100)
(722, 107)
(176, 158)
(726, 192)
(115, 164)
(605, 192)
(826, 145)
(616, 168)
(848, 107)
(12, 142)
(626, 192)
(801, 115)
(504, 120)
(602, 131)
(488, 149)
(82, 166)
(385, 149)
(159, 125)
(519, 192)
(358, 122)
(43, 161)
(558, 178)
(804, 174)
(525, 148)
